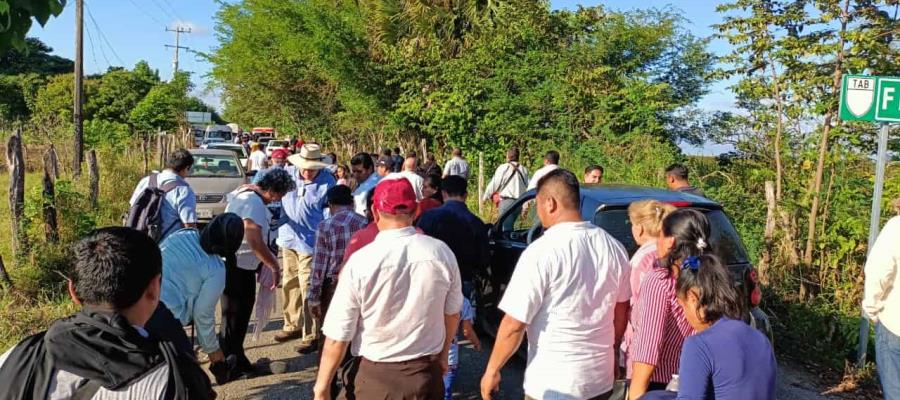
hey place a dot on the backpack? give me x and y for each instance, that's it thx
(144, 215)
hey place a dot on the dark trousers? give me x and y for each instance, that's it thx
(164, 326)
(237, 306)
(419, 379)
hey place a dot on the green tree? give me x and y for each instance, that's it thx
(121, 90)
(16, 18)
(34, 57)
(163, 107)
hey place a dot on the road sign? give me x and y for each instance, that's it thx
(870, 98)
(887, 106)
(858, 98)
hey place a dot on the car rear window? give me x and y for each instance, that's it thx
(206, 166)
(724, 238)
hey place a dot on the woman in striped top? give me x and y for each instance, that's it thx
(662, 327)
(646, 218)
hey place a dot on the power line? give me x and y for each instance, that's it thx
(161, 8)
(146, 13)
(93, 53)
(103, 37)
(171, 7)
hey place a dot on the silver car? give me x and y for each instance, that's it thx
(215, 174)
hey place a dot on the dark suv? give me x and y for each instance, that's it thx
(607, 207)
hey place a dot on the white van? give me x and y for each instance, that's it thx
(217, 133)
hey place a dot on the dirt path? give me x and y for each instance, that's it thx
(297, 382)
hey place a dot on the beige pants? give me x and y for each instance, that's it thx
(297, 268)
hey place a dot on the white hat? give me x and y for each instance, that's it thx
(309, 157)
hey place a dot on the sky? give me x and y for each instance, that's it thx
(123, 32)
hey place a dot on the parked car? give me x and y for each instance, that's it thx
(237, 148)
(607, 207)
(264, 141)
(215, 174)
(276, 144)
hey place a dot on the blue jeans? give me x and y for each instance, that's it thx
(448, 381)
(887, 355)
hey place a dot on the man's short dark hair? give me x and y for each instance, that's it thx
(385, 151)
(277, 180)
(455, 186)
(552, 156)
(412, 154)
(115, 266)
(363, 159)
(457, 152)
(592, 168)
(565, 186)
(512, 154)
(677, 171)
(180, 160)
(397, 151)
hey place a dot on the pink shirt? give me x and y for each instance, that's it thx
(661, 328)
(643, 260)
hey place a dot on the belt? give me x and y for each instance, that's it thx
(428, 358)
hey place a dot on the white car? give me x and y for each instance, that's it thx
(276, 144)
(239, 150)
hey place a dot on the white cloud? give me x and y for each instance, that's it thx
(195, 28)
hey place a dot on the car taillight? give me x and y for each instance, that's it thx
(755, 294)
(679, 204)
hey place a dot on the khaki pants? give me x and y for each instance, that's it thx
(297, 268)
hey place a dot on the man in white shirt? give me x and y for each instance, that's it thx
(179, 210)
(257, 160)
(570, 291)
(551, 162)
(509, 182)
(457, 165)
(249, 203)
(881, 303)
(363, 169)
(398, 300)
(409, 173)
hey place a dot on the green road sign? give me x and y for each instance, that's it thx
(870, 98)
(887, 106)
(858, 98)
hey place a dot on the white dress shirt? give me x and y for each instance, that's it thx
(392, 297)
(540, 174)
(414, 179)
(515, 178)
(565, 288)
(881, 301)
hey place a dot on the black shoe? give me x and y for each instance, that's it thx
(224, 371)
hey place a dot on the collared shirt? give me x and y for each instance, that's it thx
(359, 195)
(332, 237)
(661, 328)
(248, 205)
(690, 189)
(360, 239)
(565, 288)
(392, 297)
(510, 181)
(261, 173)
(540, 174)
(881, 301)
(414, 179)
(304, 209)
(457, 166)
(180, 206)
(192, 282)
(465, 234)
(642, 262)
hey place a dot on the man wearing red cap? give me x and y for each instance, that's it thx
(398, 300)
(279, 160)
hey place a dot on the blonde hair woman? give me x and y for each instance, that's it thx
(646, 218)
(258, 159)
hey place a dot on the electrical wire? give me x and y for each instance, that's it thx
(156, 20)
(93, 53)
(103, 37)
(166, 12)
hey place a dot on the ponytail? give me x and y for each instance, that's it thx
(690, 228)
(716, 294)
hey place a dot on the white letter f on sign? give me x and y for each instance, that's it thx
(886, 97)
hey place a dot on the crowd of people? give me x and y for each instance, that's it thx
(376, 263)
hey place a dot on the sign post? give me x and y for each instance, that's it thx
(872, 99)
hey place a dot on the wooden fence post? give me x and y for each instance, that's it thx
(4, 276)
(15, 161)
(145, 150)
(51, 229)
(480, 182)
(94, 171)
(160, 150)
(51, 161)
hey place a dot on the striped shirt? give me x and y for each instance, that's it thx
(661, 327)
(642, 262)
(332, 237)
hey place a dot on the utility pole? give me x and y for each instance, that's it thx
(79, 87)
(178, 31)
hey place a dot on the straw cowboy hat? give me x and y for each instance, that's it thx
(309, 157)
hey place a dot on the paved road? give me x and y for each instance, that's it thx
(297, 382)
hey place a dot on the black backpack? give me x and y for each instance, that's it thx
(144, 214)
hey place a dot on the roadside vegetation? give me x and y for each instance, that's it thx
(601, 86)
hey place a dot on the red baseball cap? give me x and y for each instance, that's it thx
(279, 153)
(395, 196)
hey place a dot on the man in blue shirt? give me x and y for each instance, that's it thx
(304, 209)
(363, 169)
(462, 231)
(180, 208)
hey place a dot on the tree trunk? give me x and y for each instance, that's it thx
(823, 153)
(769, 236)
(51, 228)
(94, 171)
(145, 155)
(779, 131)
(16, 164)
